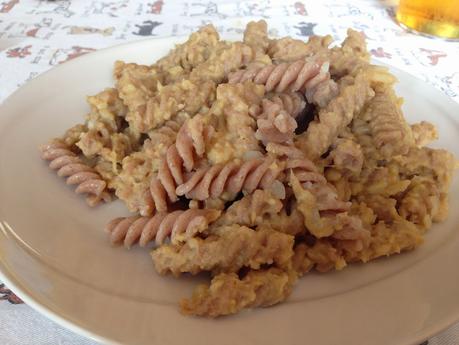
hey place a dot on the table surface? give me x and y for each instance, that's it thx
(37, 35)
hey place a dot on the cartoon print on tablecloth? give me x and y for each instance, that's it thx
(64, 55)
(8, 295)
(190, 28)
(450, 84)
(19, 52)
(344, 10)
(234, 30)
(146, 28)
(111, 8)
(386, 33)
(272, 32)
(338, 30)
(366, 30)
(340, 10)
(62, 8)
(7, 6)
(87, 30)
(391, 12)
(300, 9)
(433, 56)
(32, 75)
(380, 53)
(256, 9)
(305, 29)
(156, 7)
(402, 55)
(45, 23)
(210, 9)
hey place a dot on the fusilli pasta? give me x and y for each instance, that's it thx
(180, 157)
(275, 124)
(70, 166)
(178, 225)
(292, 102)
(335, 116)
(257, 161)
(227, 180)
(389, 130)
(299, 75)
(133, 181)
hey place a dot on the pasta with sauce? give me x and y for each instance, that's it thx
(257, 161)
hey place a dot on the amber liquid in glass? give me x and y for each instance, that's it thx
(434, 17)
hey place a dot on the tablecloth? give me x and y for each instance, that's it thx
(37, 35)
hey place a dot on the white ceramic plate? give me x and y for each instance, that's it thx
(54, 253)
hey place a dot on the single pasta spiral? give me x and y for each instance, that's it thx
(389, 129)
(312, 180)
(275, 124)
(324, 91)
(284, 150)
(143, 164)
(305, 170)
(69, 165)
(180, 157)
(294, 76)
(232, 178)
(292, 102)
(178, 225)
(275, 129)
(167, 131)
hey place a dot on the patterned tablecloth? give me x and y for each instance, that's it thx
(37, 35)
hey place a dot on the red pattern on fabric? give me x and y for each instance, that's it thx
(8, 295)
(19, 52)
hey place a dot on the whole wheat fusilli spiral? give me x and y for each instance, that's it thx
(389, 129)
(311, 179)
(70, 166)
(180, 157)
(294, 76)
(167, 131)
(292, 102)
(231, 178)
(178, 225)
(284, 150)
(323, 92)
(275, 124)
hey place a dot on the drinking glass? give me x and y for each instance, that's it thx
(434, 17)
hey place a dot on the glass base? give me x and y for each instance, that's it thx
(430, 28)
